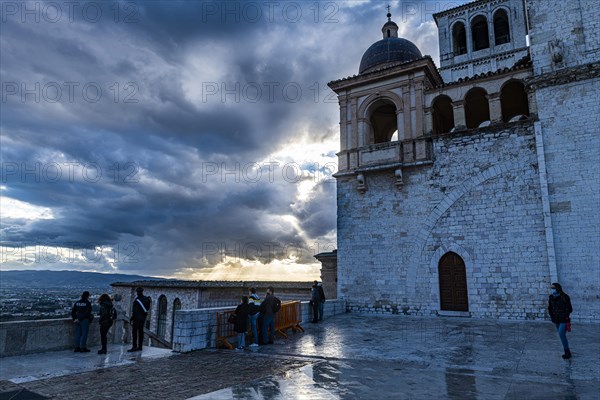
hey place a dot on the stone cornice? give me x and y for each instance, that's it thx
(565, 75)
(425, 63)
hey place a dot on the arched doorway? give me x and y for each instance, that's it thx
(161, 316)
(453, 283)
(176, 306)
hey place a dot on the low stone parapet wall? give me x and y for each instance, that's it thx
(26, 337)
(196, 329)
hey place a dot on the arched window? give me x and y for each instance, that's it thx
(453, 283)
(161, 316)
(480, 34)
(513, 100)
(442, 114)
(149, 315)
(477, 109)
(501, 27)
(459, 39)
(389, 33)
(176, 306)
(383, 121)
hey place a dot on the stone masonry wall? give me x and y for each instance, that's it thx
(27, 337)
(574, 23)
(481, 199)
(570, 120)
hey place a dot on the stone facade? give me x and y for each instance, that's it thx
(499, 168)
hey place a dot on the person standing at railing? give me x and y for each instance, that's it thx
(241, 322)
(321, 299)
(254, 311)
(107, 315)
(269, 307)
(141, 306)
(82, 316)
(314, 302)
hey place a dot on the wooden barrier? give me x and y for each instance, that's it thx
(288, 317)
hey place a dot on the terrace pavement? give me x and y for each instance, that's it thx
(349, 356)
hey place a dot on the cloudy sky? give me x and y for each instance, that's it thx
(181, 139)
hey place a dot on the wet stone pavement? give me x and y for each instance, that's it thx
(356, 357)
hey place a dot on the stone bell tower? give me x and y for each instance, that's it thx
(382, 110)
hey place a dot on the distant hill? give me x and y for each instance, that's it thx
(63, 279)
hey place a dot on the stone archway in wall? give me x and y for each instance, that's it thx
(417, 257)
(452, 276)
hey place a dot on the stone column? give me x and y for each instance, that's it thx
(329, 273)
(428, 121)
(400, 125)
(495, 108)
(344, 139)
(408, 134)
(419, 108)
(354, 118)
(459, 114)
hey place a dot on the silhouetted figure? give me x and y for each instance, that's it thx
(107, 315)
(82, 316)
(559, 308)
(241, 322)
(141, 305)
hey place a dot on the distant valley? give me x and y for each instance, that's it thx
(63, 279)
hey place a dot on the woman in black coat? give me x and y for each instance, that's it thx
(105, 320)
(241, 322)
(559, 308)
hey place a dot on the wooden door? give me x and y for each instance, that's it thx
(453, 283)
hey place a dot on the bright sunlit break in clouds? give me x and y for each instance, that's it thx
(190, 139)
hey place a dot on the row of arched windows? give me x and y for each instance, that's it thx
(480, 36)
(513, 102)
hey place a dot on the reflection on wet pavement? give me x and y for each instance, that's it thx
(397, 357)
(33, 367)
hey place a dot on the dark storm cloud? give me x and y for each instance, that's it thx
(178, 110)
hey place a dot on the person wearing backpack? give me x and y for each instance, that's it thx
(107, 315)
(141, 305)
(269, 307)
(81, 313)
(254, 312)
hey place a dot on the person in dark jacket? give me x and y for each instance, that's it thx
(314, 302)
(241, 322)
(268, 308)
(81, 313)
(559, 308)
(322, 300)
(105, 319)
(141, 306)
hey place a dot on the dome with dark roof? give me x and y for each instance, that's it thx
(388, 50)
